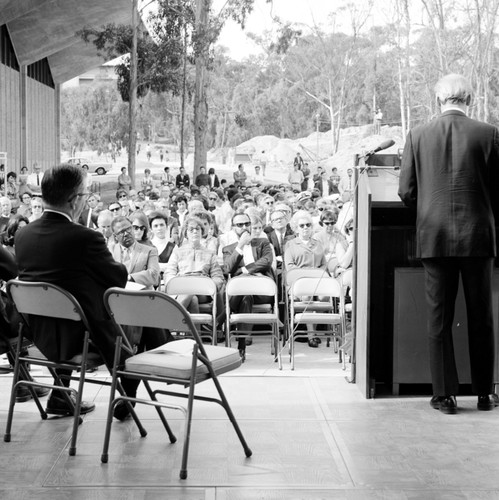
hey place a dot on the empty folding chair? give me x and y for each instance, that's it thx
(302, 311)
(184, 362)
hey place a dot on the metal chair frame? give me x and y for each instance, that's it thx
(155, 309)
(48, 300)
(262, 314)
(198, 285)
(305, 312)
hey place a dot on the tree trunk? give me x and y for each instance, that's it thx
(132, 108)
(184, 97)
(200, 100)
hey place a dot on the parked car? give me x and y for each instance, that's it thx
(96, 167)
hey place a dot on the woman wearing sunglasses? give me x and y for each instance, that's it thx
(140, 226)
(303, 251)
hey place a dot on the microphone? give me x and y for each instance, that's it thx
(384, 145)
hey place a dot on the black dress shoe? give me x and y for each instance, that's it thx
(313, 342)
(485, 403)
(23, 394)
(121, 411)
(435, 402)
(58, 406)
(448, 405)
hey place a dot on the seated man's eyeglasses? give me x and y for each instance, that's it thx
(242, 224)
(126, 230)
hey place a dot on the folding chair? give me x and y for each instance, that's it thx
(184, 362)
(198, 285)
(303, 312)
(290, 276)
(50, 301)
(262, 314)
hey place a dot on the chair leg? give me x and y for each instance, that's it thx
(232, 418)
(162, 417)
(13, 393)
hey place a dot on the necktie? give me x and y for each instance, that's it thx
(37, 179)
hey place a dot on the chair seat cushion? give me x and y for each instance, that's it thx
(256, 319)
(174, 359)
(318, 318)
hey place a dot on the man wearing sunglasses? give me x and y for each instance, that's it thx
(247, 256)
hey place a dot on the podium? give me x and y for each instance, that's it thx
(391, 347)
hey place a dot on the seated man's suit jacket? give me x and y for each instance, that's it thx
(143, 266)
(75, 258)
(233, 262)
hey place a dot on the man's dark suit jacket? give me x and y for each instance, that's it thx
(181, 182)
(262, 253)
(84, 218)
(318, 186)
(76, 258)
(450, 173)
(272, 236)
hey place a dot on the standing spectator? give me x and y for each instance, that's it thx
(295, 178)
(240, 176)
(346, 183)
(124, 180)
(214, 182)
(182, 180)
(203, 179)
(148, 152)
(167, 178)
(450, 175)
(258, 177)
(34, 180)
(298, 161)
(147, 180)
(161, 155)
(306, 174)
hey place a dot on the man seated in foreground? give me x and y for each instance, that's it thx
(57, 250)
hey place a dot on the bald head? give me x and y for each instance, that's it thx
(453, 89)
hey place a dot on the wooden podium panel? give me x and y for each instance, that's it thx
(410, 339)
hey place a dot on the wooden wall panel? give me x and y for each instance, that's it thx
(41, 125)
(10, 119)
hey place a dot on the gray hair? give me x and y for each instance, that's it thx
(453, 88)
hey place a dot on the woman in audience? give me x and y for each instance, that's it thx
(330, 238)
(192, 259)
(16, 222)
(140, 226)
(303, 251)
(36, 208)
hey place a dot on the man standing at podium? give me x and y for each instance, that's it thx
(450, 174)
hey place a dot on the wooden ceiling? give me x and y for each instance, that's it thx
(46, 28)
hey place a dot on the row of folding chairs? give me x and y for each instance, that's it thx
(183, 363)
(312, 300)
